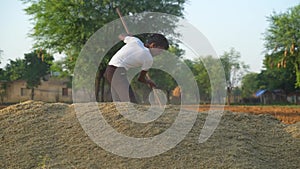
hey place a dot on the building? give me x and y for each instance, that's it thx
(52, 89)
(278, 96)
(294, 97)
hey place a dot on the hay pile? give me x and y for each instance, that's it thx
(42, 135)
(294, 129)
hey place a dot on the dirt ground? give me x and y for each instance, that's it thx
(286, 114)
(42, 135)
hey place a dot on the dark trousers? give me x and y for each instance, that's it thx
(120, 86)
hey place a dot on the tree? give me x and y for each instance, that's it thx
(282, 40)
(32, 68)
(250, 84)
(202, 78)
(14, 70)
(37, 65)
(273, 79)
(65, 26)
(60, 67)
(209, 76)
(234, 70)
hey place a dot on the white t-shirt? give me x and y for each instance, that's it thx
(133, 54)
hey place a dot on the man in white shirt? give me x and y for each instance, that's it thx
(132, 55)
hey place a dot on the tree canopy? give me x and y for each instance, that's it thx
(209, 75)
(14, 70)
(37, 65)
(32, 68)
(282, 39)
(66, 25)
(234, 70)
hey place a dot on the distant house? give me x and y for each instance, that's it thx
(294, 97)
(51, 89)
(274, 96)
(279, 96)
(264, 95)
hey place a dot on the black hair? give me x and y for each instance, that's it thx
(158, 40)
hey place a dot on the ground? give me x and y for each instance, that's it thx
(286, 114)
(43, 135)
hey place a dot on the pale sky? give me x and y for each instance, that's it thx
(225, 23)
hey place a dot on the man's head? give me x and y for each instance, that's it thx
(157, 43)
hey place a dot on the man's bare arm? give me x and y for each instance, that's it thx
(144, 78)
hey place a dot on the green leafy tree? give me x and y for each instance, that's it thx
(202, 78)
(278, 75)
(208, 74)
(250, 84)
(37, 65)
(60, 67)
(234, 70)
(14, 70)
(66, 25)
(282, 40)
(271, 78)
(276, 79)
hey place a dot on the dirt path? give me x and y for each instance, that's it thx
(42, 135)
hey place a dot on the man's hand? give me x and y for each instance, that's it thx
(144, 78)
(123, 35)
(151, 84)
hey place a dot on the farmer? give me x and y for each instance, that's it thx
(132, 55)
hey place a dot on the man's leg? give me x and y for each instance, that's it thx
(109, 72)
(131, 95)
(121, 85)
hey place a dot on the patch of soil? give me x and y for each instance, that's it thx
(43, 135)
(286, 114)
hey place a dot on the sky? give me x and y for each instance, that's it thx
(225, 23)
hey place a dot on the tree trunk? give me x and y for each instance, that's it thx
(168, 96)
(229, 95)
(32, 93)
(99, 76)
(297, 100)
(97, 86)
(102, 89)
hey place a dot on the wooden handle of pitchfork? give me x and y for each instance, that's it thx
(122, 20)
